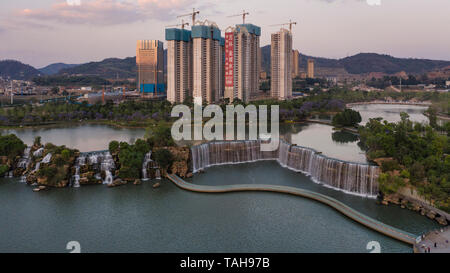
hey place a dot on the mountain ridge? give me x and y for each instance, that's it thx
(110, 68)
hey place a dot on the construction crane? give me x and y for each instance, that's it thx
(243, 14)
(193, 14)
(182, 24)
(286, 24)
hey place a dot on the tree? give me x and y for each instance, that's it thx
(164, 158)
(348, 118)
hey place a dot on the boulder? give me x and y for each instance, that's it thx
(431, 214)
(157, 185)
(189, 175)
(42, 180)
(441, 220)
(137, 182)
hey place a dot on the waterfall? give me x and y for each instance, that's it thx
(147, 159)
(158, 174)
(97, 162)
(108, 178)
(228, 152)
(47, 158)
(353, 178)
(38, 152)
(25, 161)
(38, 165)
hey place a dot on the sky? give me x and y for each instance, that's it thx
(41, 32)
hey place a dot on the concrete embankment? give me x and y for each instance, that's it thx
(349, 105)
(340, 207)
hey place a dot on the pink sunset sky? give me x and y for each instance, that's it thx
(41, 32)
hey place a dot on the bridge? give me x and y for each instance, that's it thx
(340, 207)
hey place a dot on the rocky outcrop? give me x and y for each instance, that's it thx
(117, 182)
(180, 165)
(417, 206)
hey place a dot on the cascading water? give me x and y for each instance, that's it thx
(158, 174)
(47, 158)
(228, 152)
(97, 162)
(353, 178)
(38, 152)
(81, 161)
(25, 161)
(107, 165)
(147, 160)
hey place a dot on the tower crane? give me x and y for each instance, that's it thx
(243, 14)
(193, 14)
(182, 24)
(286, 24)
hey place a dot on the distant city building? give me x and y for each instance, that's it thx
(310, 69)
(295, 63)
(242, 61)
(207, 61)
(150, 66)
(281, 62)
(179, 65)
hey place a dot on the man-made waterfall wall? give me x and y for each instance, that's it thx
(354, 178)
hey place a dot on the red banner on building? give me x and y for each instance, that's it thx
(229, 59)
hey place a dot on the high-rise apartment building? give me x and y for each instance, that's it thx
(295, 63)
(281, 58)
(242, 61)
(150, 66)
(310, 69)
(179, 65)
(207, 61)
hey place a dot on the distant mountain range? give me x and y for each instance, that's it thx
(55, 68)
(364, 63)
(17, 70)
(126, 68)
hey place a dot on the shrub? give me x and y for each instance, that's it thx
(65, 155)
(114, 147)
(3, 170)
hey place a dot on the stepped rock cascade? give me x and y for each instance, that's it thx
(38, 152)
(81, 161)
(98, 162)
(45, 160)
(353, 178)
(25, 161)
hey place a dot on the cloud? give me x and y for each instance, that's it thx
(107, 12)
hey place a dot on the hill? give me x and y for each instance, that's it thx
(108, 68)
(364, 63)
(53, 69)
(17, 70)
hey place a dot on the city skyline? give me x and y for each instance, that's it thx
(352, 26)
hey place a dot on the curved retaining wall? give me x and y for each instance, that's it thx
(354, 178)
(340, 207)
